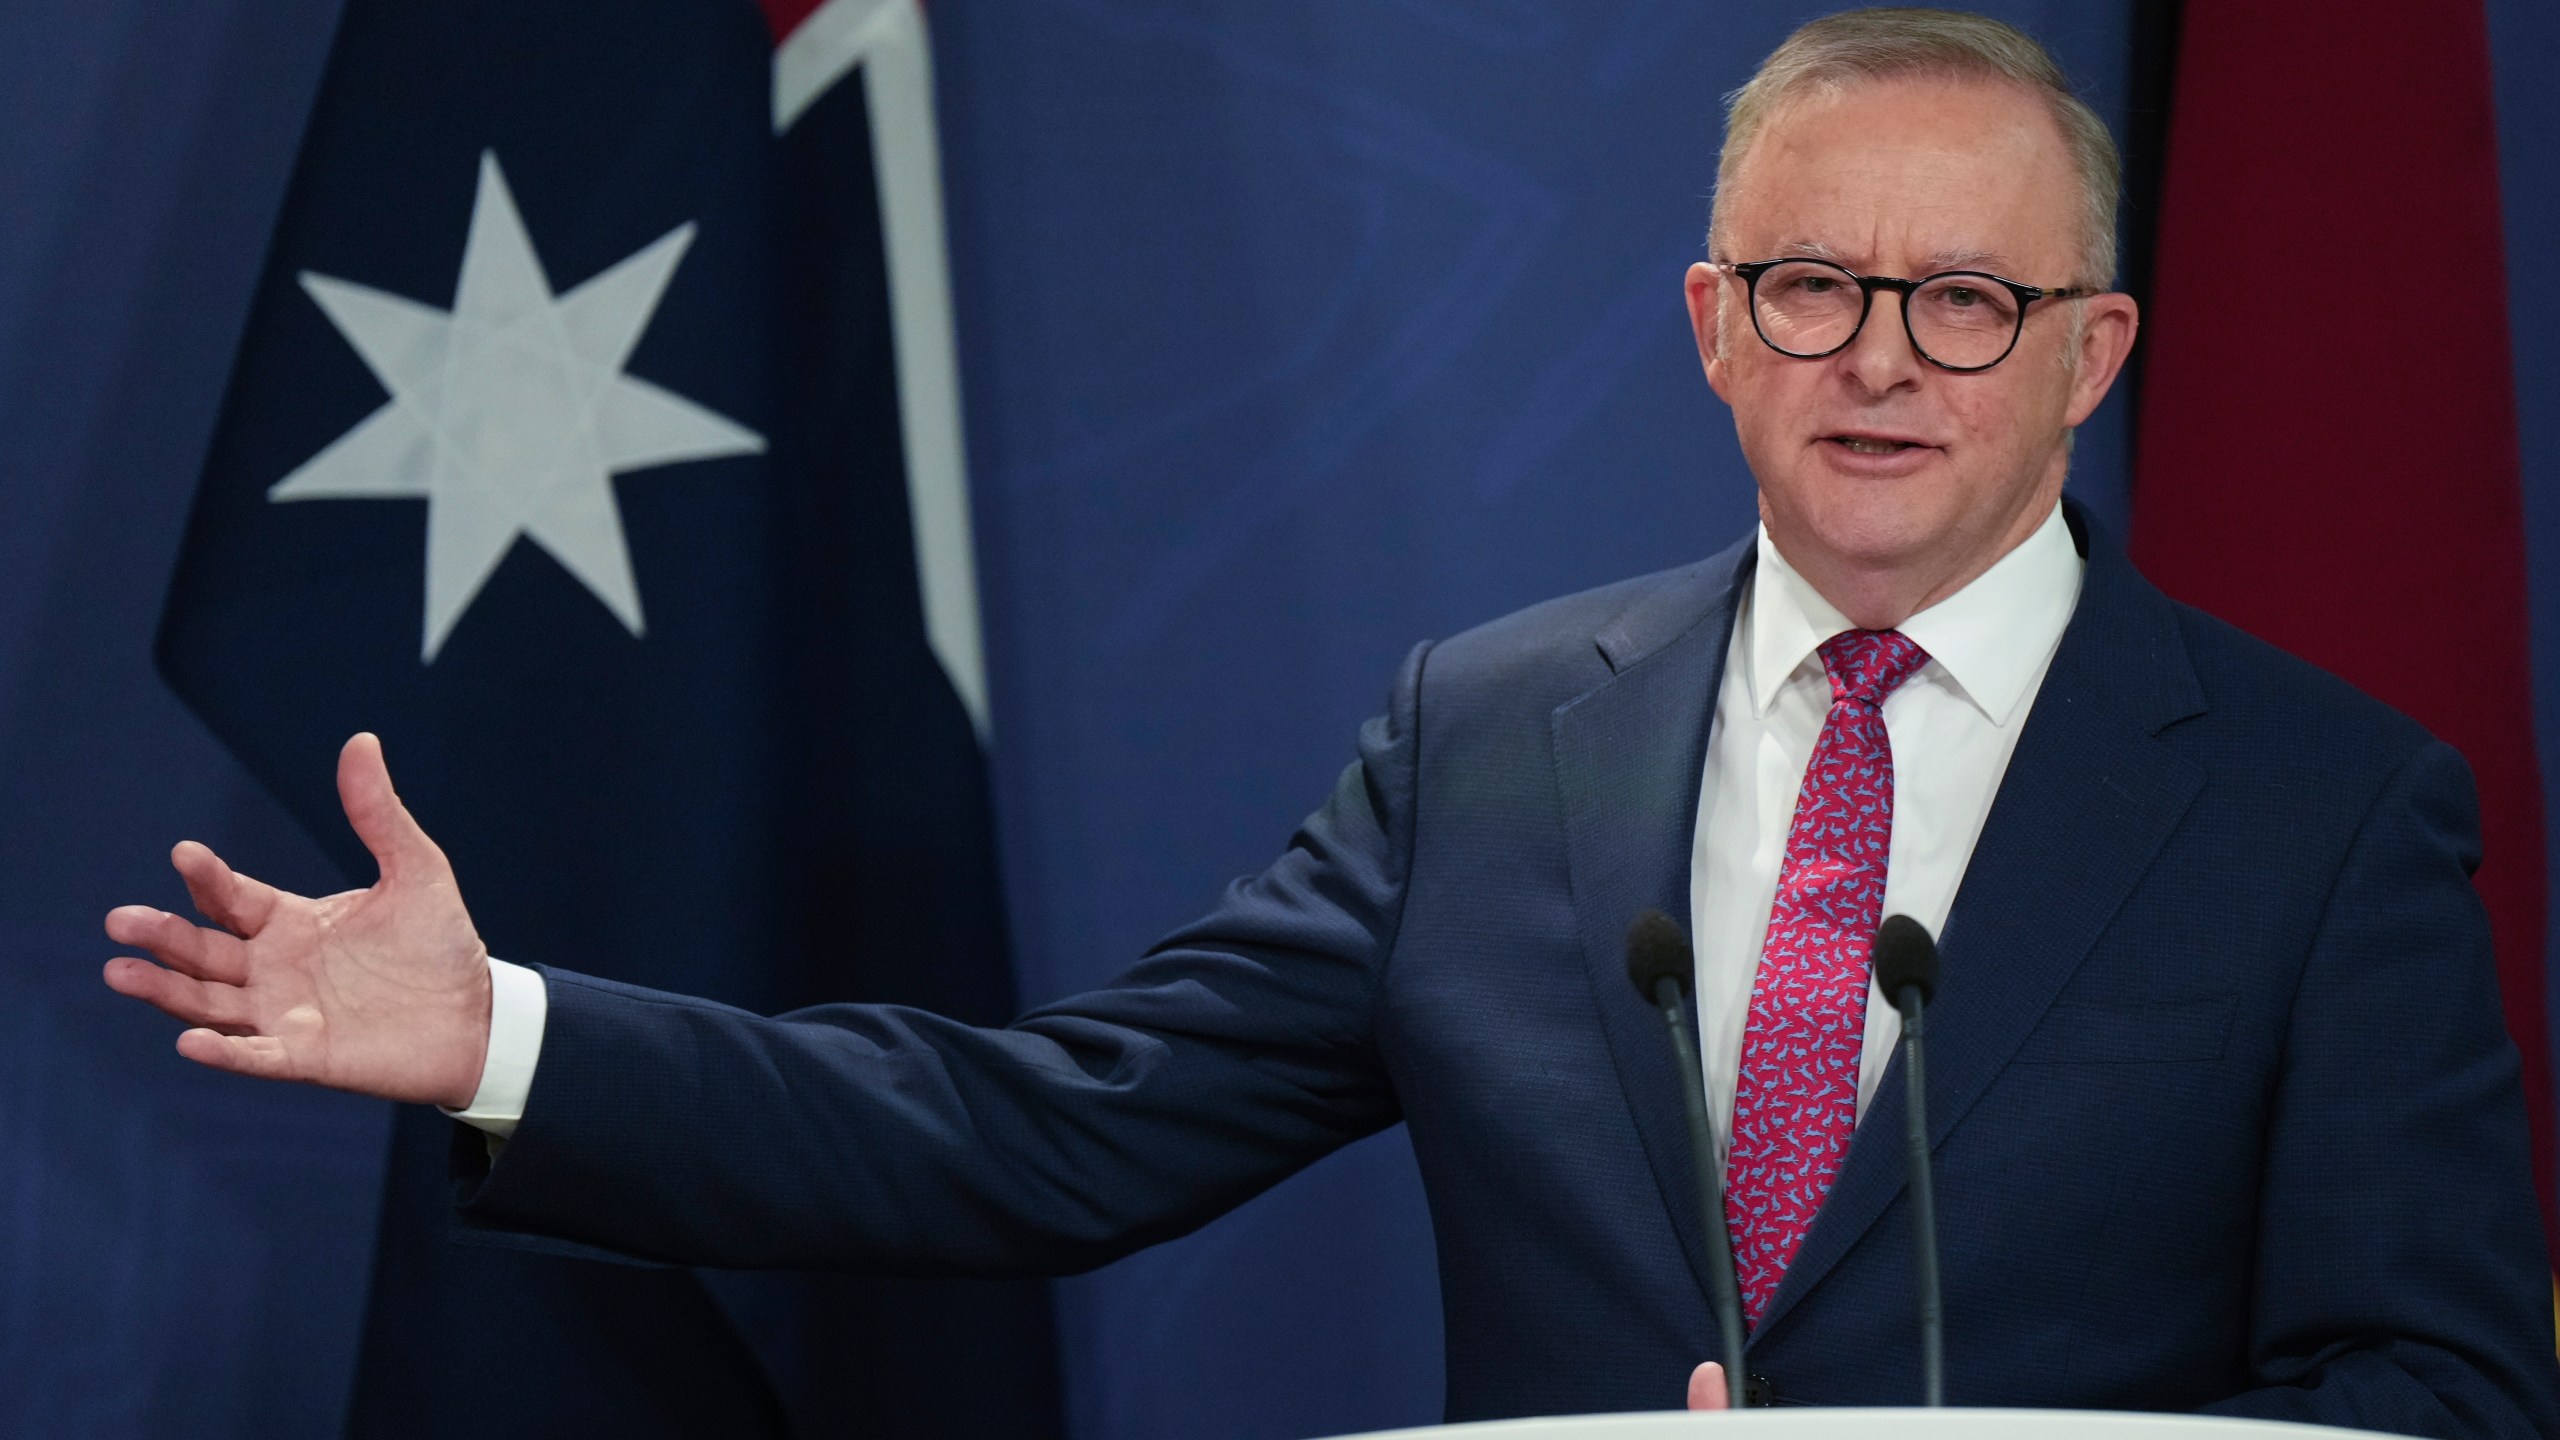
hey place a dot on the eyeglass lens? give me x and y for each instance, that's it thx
(1807, 308)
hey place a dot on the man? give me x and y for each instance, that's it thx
(2224, 1115)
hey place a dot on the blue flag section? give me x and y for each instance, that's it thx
(583, 443)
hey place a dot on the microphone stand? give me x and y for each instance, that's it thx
(1906, 970)
(1669, 996)
(1924, 1200)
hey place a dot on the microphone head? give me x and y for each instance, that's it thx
(1657, 950)
(1905, 957)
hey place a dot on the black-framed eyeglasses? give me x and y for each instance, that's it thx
(1960, 320)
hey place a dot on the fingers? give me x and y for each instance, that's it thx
(195, 950)
(1706, 1387)
(224, 1034)
(223, 895)
(374, 809)
(222, 1007)
(255, 1055)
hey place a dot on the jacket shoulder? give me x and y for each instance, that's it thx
(1557, 649)
(2292, 706)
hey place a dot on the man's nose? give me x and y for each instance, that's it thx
(1881, 357)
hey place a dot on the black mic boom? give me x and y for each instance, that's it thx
(1906, 958)
(1906, 963)
(1658, 951)
(1664, 972)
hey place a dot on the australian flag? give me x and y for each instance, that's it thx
(595, 440)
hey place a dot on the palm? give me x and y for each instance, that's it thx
(382, 990)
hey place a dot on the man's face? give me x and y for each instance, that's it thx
(1873, 462)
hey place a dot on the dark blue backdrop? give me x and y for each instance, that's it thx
(1291, 334)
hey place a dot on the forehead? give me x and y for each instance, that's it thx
(1891, 173)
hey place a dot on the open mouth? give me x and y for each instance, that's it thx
(1873, 445)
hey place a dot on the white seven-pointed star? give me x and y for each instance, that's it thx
(511, 415)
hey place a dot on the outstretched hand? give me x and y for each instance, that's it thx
(384, 990)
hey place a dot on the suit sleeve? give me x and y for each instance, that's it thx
(1242, 1048)
(2402, 1282)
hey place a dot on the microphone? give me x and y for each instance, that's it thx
(1664, 973)
(1906, 965)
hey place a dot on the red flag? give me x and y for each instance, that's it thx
(2328, 453)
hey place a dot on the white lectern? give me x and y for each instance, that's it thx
(1812, 1423)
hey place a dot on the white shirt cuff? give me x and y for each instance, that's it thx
(518, 1006)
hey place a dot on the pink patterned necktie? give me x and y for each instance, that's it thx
(1795, 1099)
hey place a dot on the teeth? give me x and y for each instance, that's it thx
(1874, 447)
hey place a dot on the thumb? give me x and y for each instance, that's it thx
(375, 812)
(1706, 1388)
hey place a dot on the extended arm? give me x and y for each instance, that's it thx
(674, 1129)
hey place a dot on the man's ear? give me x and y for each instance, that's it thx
(1705, 288)
(2106, 338)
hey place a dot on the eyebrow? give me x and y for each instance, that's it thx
(1965, 260)
(1813, 250)
(1931, 264)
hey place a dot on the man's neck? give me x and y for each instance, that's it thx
(1881, 597)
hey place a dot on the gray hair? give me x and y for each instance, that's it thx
(1836, 51)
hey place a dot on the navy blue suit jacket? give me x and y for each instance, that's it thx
(2225, 1117)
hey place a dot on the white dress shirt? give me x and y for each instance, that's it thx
(518, 1006)
(1953, 725)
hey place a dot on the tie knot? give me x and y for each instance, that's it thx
(1868, 665)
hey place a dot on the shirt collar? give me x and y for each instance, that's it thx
(1990, 638)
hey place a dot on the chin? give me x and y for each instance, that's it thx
(1874, 525)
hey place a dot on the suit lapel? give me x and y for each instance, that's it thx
(2089, 798)
(1628, 761)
